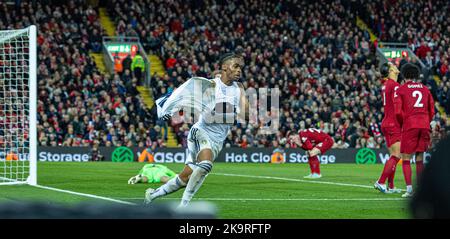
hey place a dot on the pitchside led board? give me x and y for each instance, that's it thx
(119, 51)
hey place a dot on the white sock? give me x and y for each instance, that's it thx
(195, 181)
(171, 186)
(192, 166)
(409, 188)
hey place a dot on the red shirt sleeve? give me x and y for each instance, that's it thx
(305, 139)
(398, 104)
(307, 145)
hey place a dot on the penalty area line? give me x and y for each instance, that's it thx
(281, 199)
(85, 195)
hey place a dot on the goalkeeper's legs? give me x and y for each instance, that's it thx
(198, 175)
(171, 186)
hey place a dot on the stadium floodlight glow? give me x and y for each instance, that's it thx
(18, 99)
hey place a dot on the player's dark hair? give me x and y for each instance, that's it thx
(225, 57)
(228, 56)
(410, 71)
(384, 70)
(400, 79)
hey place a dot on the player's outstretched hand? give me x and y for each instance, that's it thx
(135, 179)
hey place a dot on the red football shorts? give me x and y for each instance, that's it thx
(391, 135)
(415, 141)
(325, 145)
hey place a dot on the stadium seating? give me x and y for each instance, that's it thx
(423, 25)
(317, 51)
(78, 105)
(314, 52)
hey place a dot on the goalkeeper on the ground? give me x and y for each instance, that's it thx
(153, 173)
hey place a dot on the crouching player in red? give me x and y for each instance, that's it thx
(390, 127)
(314, 142)
(414, 109)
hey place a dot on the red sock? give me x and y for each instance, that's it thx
(392, 175)
(311, 165)
(419, 168)
(389, 167)
(317, 163)
(406, 166)
(391, 180)
(314, 164)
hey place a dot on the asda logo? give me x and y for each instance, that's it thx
(122, 154)
(365, 156)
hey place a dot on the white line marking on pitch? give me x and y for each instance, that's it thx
(282, 199)
(288, 199)
(294, 180)
(85, 195)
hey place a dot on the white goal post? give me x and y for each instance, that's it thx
(18, 101)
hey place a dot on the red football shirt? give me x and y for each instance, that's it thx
(388, 92)
(414, 106)
(312, 137)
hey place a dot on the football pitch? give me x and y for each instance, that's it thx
(237, 190)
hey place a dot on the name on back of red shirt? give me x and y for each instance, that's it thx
(415, 86)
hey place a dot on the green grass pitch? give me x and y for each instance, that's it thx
(260, 190)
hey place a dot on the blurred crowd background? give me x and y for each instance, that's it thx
(324, 65)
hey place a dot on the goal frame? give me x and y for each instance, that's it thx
(32, 86)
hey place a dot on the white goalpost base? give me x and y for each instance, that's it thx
(18, 101)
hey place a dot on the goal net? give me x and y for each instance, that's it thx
(18, 106)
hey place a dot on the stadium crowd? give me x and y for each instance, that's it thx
(423, 26)
(77, 104)
(313, 52)
(324, 65)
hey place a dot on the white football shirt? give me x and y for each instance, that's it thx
(217, 124)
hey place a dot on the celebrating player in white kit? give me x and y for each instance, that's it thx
(206, 137)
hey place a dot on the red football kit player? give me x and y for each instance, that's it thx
(390, 127)
(414, 109)
(314, 142)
